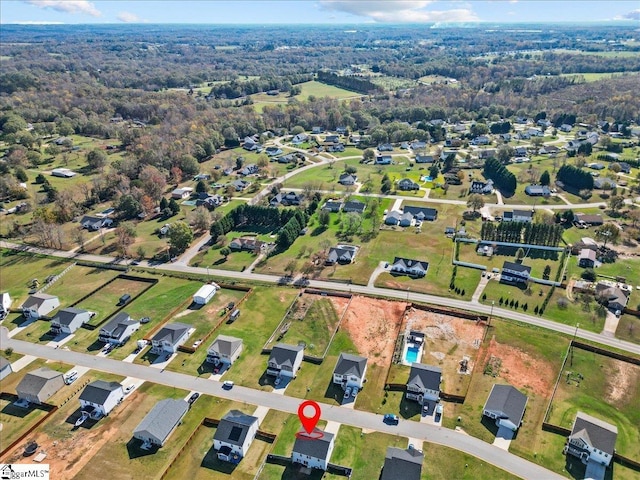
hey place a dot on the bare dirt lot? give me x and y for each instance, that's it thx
(373, 326)
(521, 369)
(448, 340)
(621, 380)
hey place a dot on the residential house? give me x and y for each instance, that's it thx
(418, 145)
(68, 320)
(63, 173)
(240, 185)
(350, 371)
(285, 199)
(5, 368)
(285, 360)
(520, 151)
(488, 153)
(383, 160)
(604, 183)
(169, 338)
(537, 190)
(161, 421)
(347, 179)
(587, 258)
(234, 436)
(273, 151)
(505, 137)
(249, 170)
(514, 273)
(209, 201)
(522, 160)
(592, 440)
(422, 213)
(522, 136)
(246, 244)
(478, 186)
(453, 142)
(404, 464)
(506, 405)
(5, 304)
(616, 298)
(518, 216)
(595, 166)
(341, 130)
(393, 218)
(385, 147)
(342, 254)
(449, 231)
(299, 138)
(39, 385)
(204, 294)
(565, 127)
(289, 158)
(224, 350)
(332, 206)
(314, 450)
(100, 397)
(181, 193)
(332, 139)
(202, 176)
(592, 220)
(448, 154)
(424, 159)
(481, 140)
(39, 305)
(354, 206)
(251, 144)
(549, 150)
(407, 184)
(317, 130)
(119, 329)
(334, 147)
(535, 132)
(424, 383)
(407, 266)
(95, 223)
(624, 167)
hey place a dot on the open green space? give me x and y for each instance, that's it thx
(78, 282)
(308, 89)
(629, 328)
(605, 388)
(235, 261)
(443, 463)
(105, 301)
(18, 269)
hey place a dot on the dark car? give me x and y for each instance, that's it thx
(193, 398)
(390, 419)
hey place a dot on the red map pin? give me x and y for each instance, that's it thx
(309, 422)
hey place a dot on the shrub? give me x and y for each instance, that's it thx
(589, 275)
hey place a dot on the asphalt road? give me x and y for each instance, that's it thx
(443, 436)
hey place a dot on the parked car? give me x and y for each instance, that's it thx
(439, 410)
(193, 398)
(196, 343)
(129, 389)
(354, 392)
(145, 320)
(391, 419)
(227, 384)
(347, 392)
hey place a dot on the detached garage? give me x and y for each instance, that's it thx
(205, 294)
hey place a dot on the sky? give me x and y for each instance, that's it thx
(317, 11)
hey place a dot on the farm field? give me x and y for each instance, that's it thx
(312, 88)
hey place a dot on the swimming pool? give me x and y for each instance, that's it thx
(412, 354)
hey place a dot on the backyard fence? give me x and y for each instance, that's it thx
(51, 410)
(56, 278)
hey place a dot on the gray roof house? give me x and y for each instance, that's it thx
(118, 329)
(224, 349)
(347, 179)
(100, 397)
(332, 205)
(285, 360)
(39, 305)
(313, 453)
(514, 273)
(285, 199)
(342, 254)
(393, 218)
(422, 213)
(5, 368)
(506, 405)
(518, 216)
(592, 441)
(39, 385)
(424, 383)
(424, 159)
(161, 421)
(169, 338)
(408, 184)
(409, 266)
(616, 298)
(354, 206)
(537, 190)
(95, 223)
(68, 320)
(404, 464)
(478, 186)
(350, 371)
(234, 435)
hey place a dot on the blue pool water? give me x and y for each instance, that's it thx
(412, 354)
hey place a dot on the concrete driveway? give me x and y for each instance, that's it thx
(503, 438)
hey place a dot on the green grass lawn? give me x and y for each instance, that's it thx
(104, 301)
(629, 328)
(78, 282)
(312, 88)
(443, 463)
(609, 390)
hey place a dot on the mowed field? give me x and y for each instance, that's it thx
(313, 88)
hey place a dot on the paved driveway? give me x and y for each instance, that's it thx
(503, 438)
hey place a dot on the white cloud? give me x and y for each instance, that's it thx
(513, 1)
(128, 17)
(399, 11)
(632, 15)
(68, 6)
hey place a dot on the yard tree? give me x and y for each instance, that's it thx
(202, 187)
(324, 218)
(296, 130)
(154, 182)
(545, 178)
(180, 237)
(225, 252)
(504, 153)
(520, 253)
(21, 175)
(96, 159)
(239, 163)
(434, 171)
(163, 203)
(291, 267)
(608, 232)
(547, 272)
(616, 203)
(200, 218)
(350, 169)
(173, 206)
(475, 202)
(128, 207)
(52, 150)
(125, 236)
(634, 216)
(369, 154)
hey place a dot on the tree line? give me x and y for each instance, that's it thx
(575, 178)
(502, 178)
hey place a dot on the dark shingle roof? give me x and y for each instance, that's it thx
(99, 391)
(316, 448)
(162, 418)
(595, 432)
(37, 299)
(425, 376)
(234, 427)
(402, 464)
(516, 267)
(34, 381)
(408, 264)
(225, 345)
(508, 401)
(350, 365)
(284, 354)
(420, 212)
(68, 315)
(171, 332)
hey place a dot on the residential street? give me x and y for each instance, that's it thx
(443, 436)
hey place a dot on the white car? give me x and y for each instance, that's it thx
(196, 343)
(129, 389)
(71, 377)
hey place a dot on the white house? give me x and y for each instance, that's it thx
(68, 320)
(424, 383)
(5, 304)
(518, 216)
(224, 350)
(506, 405)
(39, 304)
(285, 360)
(204, 294)
(350, 371)
(100, 397)
(234, 435)
(181, 193)
(592, 440)
(119, 329)
(169, 338)
(515, 273)
(314, 452)
(161, 421)
(407, 266)
(5, 368)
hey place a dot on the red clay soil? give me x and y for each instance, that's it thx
(373, 326)
(521, 369)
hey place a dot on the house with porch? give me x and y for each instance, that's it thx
(592, 440)
(342, 254)
(285, 360)
(39, 305)
(100, 397)
(119, 329)
(514, 273)
(408, 266)
(347, 179)
(518, 216)
(407, 184)
(169, 338)
(402, 464)
(350, 371)
(224, 350)
(234, 436)
(424, 383)
(506, 405)
(68, 320)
